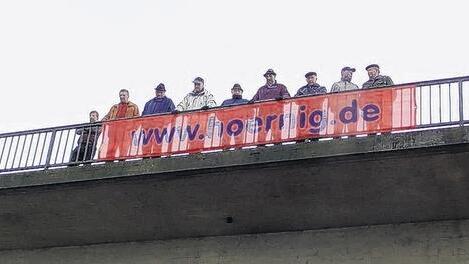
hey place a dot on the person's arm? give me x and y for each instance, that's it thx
(182, 106)
(136, 112)
(109, 114)
(334, 88)
(171, 106)
(323, 90)
(299, 93)
(389, 81)
(211, 101)
(284, 92)
(256, 96)
(145, 109)
(366, 85)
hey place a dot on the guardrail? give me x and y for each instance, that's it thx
(443, 102)
(49, 147)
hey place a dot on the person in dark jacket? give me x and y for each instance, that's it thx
(376, 80)
(237, 96)
(312, 87)
(86, 145)
(272, 89)
(160, 104)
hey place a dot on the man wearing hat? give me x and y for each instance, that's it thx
(237, 96)
(311, 87)
(272, 89)
(160, 104)
(199, 98)
(345, 83)
(376, 80)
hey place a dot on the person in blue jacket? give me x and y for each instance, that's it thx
(237, 96)
(160, 104)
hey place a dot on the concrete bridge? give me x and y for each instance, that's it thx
(395, 198)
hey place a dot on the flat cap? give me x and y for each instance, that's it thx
(198, 79)
(347, 68)
(270, 72)
(371, 66)
(160, 87)
(237, 86)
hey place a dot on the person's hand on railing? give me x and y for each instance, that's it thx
(205, 107)
(278, 98)
(175, 112)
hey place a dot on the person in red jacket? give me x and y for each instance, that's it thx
(272, 89)
(125, 109)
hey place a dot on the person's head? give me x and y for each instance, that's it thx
(160, 91)
(236, 91)
(198, 84)
(346, 74)
(270, 76)
(311, 78)
(373, 70)
(124, 96)
(94, 116)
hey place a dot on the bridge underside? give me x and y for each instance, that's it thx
(421, 243)
(396, 178)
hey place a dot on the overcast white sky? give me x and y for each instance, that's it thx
(59, 59)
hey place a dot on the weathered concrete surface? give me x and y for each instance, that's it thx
(424, 243)
(398, 178)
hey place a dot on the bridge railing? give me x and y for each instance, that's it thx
(443, 102)
(49, 147)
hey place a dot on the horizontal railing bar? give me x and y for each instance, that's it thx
(23, 168)
(68, 164)
(436, 125)
(437, 81)
(51, 129)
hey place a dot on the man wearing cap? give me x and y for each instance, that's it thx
(272, 89)
(345, 83)
(159, 104)
(312, 87)
(237, 96)
(199, 98)
(376, 80)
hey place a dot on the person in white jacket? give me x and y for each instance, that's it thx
(199, 98)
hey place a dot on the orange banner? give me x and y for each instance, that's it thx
(331, 115)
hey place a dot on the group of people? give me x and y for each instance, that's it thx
(201, 98)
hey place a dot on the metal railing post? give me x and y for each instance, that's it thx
(461, 104)
(51, 147)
